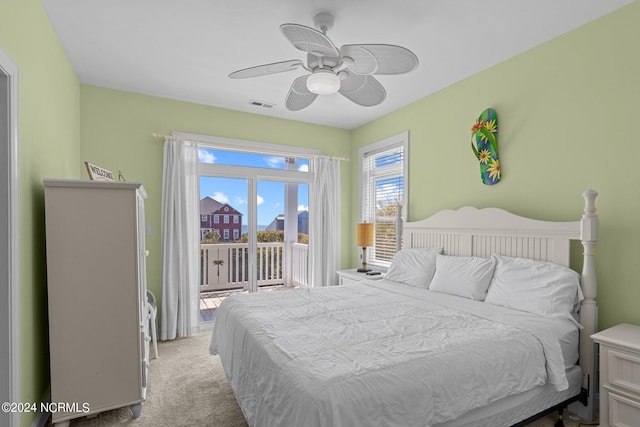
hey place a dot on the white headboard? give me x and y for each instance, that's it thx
(482, 232)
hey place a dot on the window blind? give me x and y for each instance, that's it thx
(383, 190)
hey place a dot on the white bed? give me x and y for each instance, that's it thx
(384, 353)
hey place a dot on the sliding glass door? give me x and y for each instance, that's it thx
(254, 222)
(223, 226)
(282, 234)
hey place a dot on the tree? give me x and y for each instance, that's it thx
(210, 237)
(271, 236)
(265, 236)
(385, 229)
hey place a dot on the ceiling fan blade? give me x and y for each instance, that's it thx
(379, 58)
(362, 89)
(309, 40)
(263, 70)
(299, 96)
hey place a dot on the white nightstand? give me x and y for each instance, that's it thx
(352, 276)
(619, 375)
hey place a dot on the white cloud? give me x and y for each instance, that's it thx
(303, 208)
(260, 200)
(220, 197)
(205, 156)
(275, 162)
(304, 168)
(239, 201)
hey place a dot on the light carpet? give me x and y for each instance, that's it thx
(187, 387)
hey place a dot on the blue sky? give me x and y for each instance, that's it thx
(234, 191)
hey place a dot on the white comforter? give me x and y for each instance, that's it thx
(378, 354)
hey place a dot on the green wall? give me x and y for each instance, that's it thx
(567, 114)
(566, 124)
(49, 145)
(116, 134)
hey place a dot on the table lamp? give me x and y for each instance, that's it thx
(364, 238)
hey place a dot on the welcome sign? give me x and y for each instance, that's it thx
(96, 173)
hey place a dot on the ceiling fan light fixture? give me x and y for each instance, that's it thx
(323, 82)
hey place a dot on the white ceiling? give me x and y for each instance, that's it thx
(184, 49)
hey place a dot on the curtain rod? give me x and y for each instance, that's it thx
(175, 138)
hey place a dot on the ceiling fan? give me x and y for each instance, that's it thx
(348, 70)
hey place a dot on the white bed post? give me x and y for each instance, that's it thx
(589, 308)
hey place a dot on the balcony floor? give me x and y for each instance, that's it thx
(209, 301)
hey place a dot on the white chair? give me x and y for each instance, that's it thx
(152, 311)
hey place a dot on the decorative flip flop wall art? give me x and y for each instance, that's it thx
(484, 143)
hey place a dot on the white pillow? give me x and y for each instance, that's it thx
(464, 276)
(535, 286)
(414, 266)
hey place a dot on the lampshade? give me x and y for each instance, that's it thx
(364, 234)
(323, 82)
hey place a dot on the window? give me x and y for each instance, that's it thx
(226, 234)
(226, 219)
(383, 193)
(236, 234)
(236, 219)
(204, 217)
(216, 219)
(235, 157)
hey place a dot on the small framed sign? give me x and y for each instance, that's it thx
(96, 173)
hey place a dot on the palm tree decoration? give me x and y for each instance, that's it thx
(484, 143)
(218, 263)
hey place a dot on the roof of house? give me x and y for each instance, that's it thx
(303, 214)
(209, 205)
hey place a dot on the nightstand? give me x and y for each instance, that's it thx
(352, 276)
(619, 375)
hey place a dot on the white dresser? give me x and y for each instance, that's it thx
(619, 375)
(96, 285)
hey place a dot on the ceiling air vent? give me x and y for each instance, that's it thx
(261, 104)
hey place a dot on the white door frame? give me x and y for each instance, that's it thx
(10, 226)
(252, 175)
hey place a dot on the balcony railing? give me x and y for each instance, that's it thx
(299, 264)
(226, 265)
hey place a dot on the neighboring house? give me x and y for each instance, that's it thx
(303, 223)
(220, 218)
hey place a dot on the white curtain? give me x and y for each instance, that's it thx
(324, 224)
(180, 239)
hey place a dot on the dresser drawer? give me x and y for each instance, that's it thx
(623, 370)
(623, 412)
